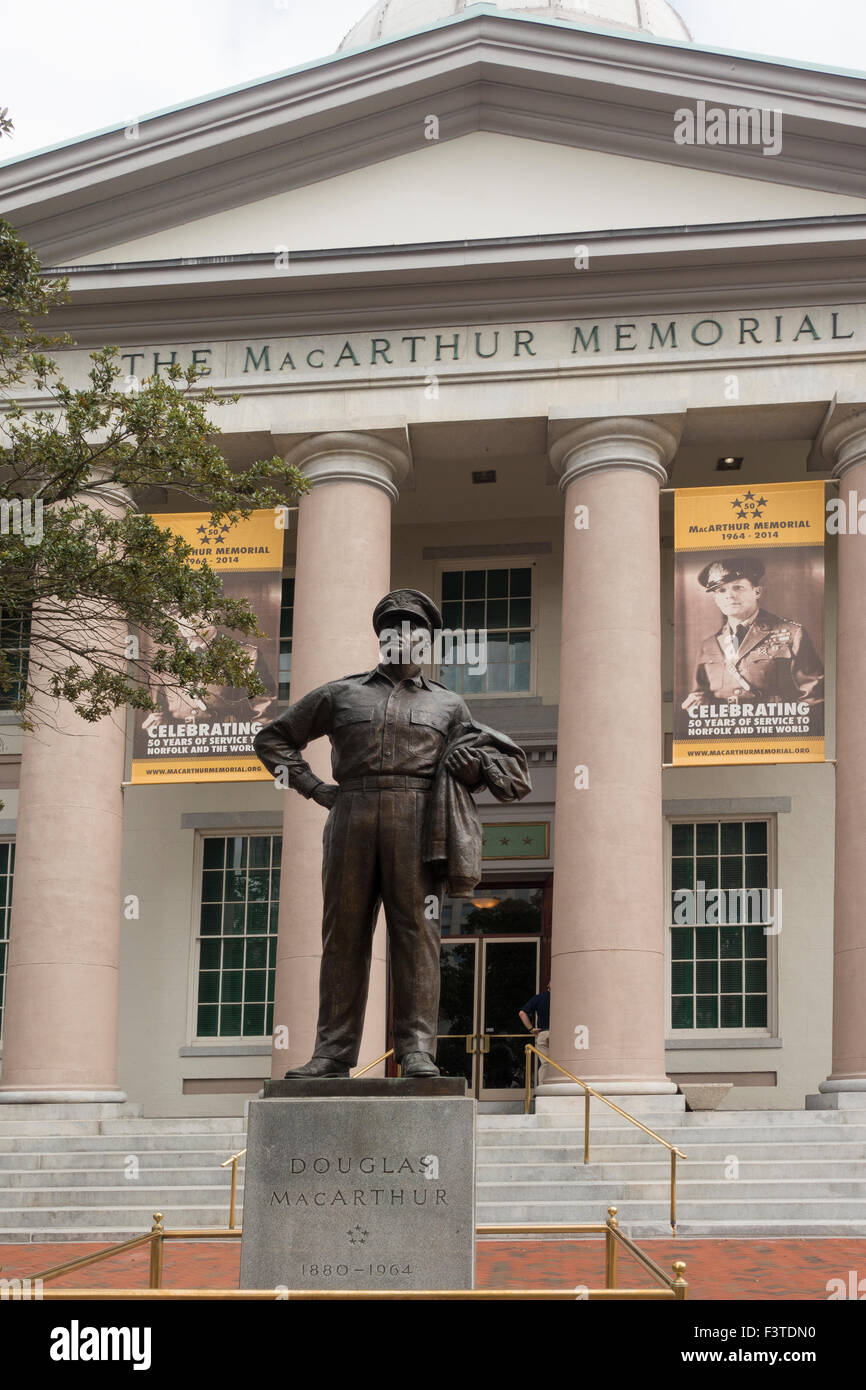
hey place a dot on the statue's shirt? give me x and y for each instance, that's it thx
(376, 726)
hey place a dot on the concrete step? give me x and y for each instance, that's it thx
(767, 1170)
(223, 1144)
(45, 1198)
(81, 1222)
(73, 1179)
(689, 1194)
(113, 1159)
(648, 1153)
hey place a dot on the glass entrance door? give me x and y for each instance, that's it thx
(485, 983)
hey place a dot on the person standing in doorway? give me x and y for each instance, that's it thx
(538, 1007)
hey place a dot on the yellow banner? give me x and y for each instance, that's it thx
(749, 624)
(252, 544)
(210, 739)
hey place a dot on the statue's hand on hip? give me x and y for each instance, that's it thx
(325, 794)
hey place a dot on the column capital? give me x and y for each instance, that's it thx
(620, 441)
(844, 443)
(348, 457)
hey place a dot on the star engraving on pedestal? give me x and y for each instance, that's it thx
(357, 1235)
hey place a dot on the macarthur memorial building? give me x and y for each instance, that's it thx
(563, 316)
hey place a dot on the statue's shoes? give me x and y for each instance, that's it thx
(319, 1066)
(418, 1064)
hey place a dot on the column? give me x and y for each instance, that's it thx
(607, 996)
(845, 447)
(343, 569)
(60, 1032)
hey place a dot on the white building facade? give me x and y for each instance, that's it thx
(472, 272)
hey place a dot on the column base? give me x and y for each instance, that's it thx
(609, 1088)
(848, 1094)
(656, 1098)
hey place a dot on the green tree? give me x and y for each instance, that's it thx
(80, 570)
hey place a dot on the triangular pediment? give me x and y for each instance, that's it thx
(480, 185)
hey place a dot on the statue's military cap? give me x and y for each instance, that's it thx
(730, 567)
(406, 603)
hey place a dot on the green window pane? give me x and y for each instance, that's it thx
(258, 885)
(520, 676)
(208, 987)
(212, 886)
(521, 582)
(732, 837)
(706, 977)
(233, 954)
(286, 622)
(682, 1012)
(233, 919)
(757, 905)
(277, 842)
(681, 977)
(520, 646)
(209, 956)
(257, 919)
(732, 1011)
(272, 952)
(236, 852)
(756, 942)
(682, 873)
(2, 958)
(732, 872)
(474, 615)
(731, 942)
(683, 906)
(452, 584)
(756, 871)
(756, 836)
(682, 943)
(232, 986)
(707, 836)
(211, 919)
(452, 614)
(257, 953)
(254, 1019)
(497, 676)
(707, 943)
(497, 583)
(254, 987)
(707, 874)
(732, 976)
(260, 852)
(269, 1020)
(275, 884)
(273, 916)
(230, 1021)
(4, 858)
(270, 996)
(289, 589)
(756, 1011)
(497, 647)
(707, 1012)
(520, 612)
(756, 977)
(206, 1024)
(474, 584)
(497, 613)
(682, 839)
(214, 856)
(236, 884)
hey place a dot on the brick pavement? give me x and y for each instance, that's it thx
(776, 1269)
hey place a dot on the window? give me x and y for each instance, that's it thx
(498, 601)
(7, 864)
(15, 646)
(720, 906)
(287, 613)
(237, 941)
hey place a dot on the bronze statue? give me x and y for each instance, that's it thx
(402, 828)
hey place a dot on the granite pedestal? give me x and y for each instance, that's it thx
(366, 1184)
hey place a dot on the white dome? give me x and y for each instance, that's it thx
(388, 18)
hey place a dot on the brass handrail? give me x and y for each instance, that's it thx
(588, 1092)
(675, 1287)
(371, 1065)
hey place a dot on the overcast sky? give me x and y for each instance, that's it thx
(70, 68)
